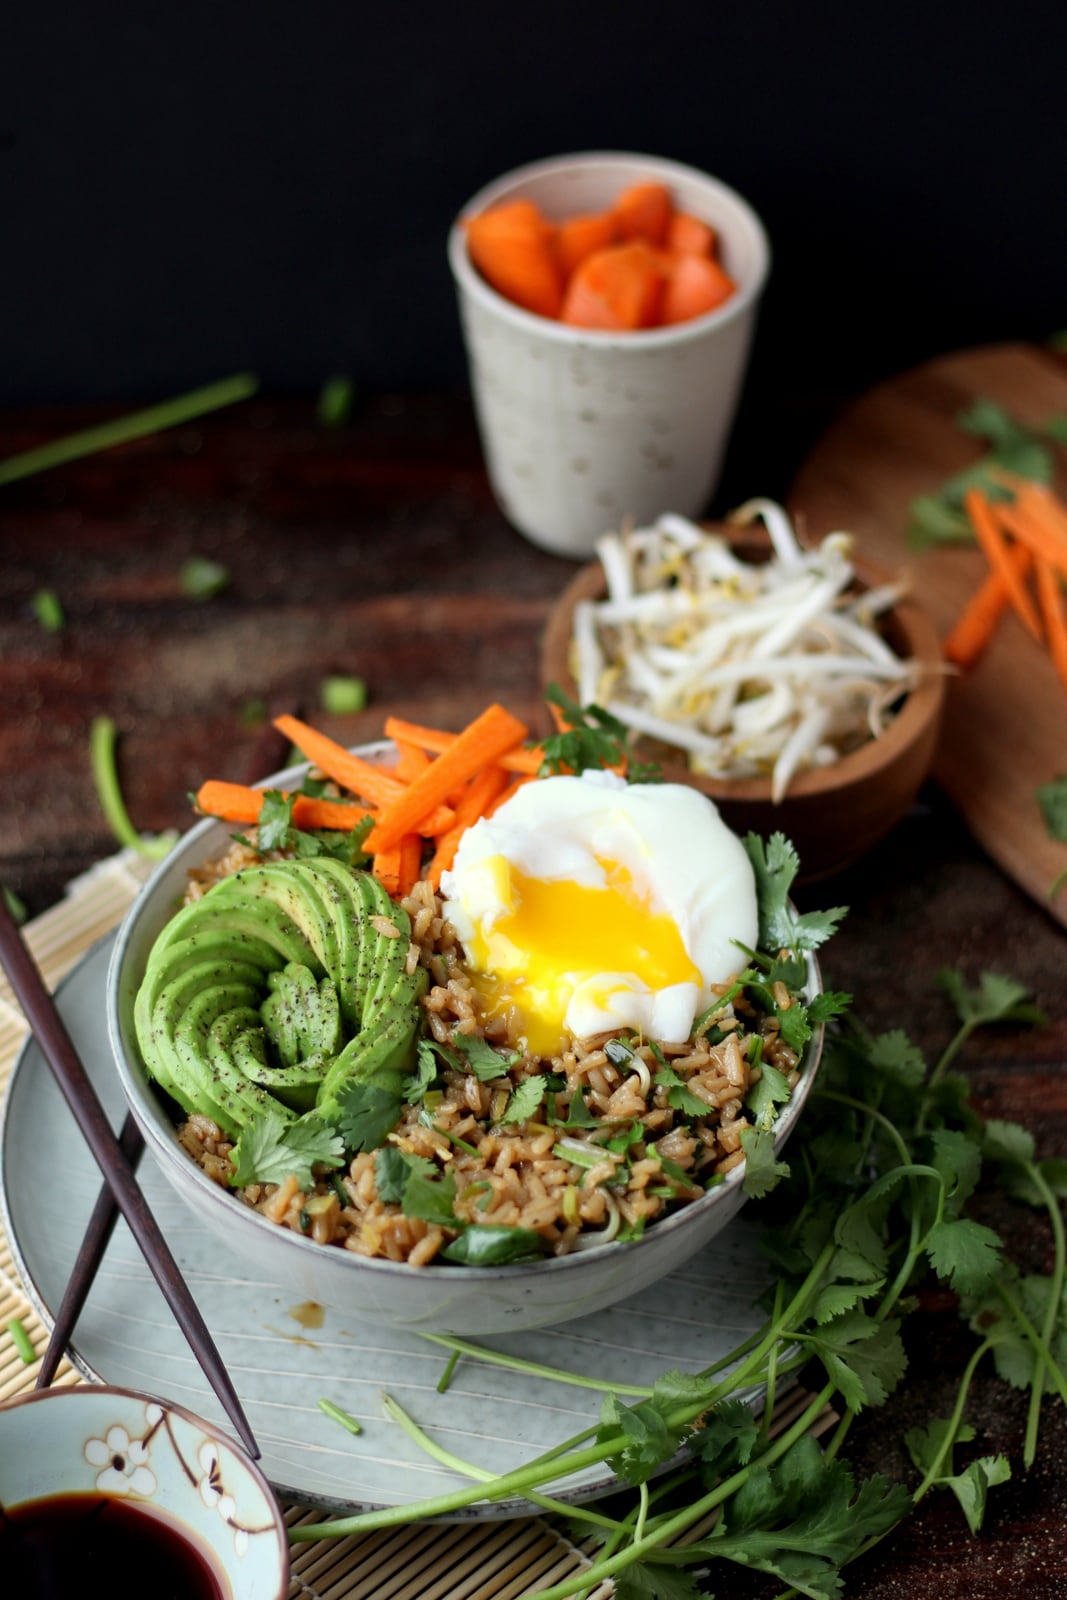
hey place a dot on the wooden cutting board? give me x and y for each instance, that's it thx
(1005, 726)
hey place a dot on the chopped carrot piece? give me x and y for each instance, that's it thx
(527, 759)
(1054, 614)
(983, 519)
(974, 627)
(512, 247)
(485, 787)
(688, 236)
(616, 289)
(237, 802)
(643, 211)
(695, 285)
(579, 237)
(480, 744)
(374, 785)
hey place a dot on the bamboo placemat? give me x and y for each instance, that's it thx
(495, 1560)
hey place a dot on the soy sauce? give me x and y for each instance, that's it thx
(57, 1547)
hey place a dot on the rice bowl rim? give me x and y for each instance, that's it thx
(160, 1132)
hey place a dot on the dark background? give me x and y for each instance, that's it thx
(189, 191)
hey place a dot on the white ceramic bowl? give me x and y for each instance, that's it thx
(581, 428)
(92, 1439)
(456, 1299)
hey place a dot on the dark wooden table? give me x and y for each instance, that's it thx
(375, 549)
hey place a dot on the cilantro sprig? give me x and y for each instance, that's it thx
(593, 738)
(893, 1160)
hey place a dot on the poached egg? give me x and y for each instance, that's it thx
(587, 905)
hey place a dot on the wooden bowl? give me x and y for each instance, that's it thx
(835, 814)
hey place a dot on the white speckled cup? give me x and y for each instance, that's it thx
(582, 428)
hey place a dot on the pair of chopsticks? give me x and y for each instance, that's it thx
(117, 1159)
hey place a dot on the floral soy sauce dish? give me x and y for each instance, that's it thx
(140, 1452)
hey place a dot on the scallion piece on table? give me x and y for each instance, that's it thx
(342, 695)
(48, 610)
(21, 1340)
(136, 425)
(106, 779)
(340, 1416)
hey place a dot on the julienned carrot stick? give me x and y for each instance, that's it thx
(983, 520)
(526, 760)
(398, 868)
(976, 623)
(372, 784)
(1054, 613)
(1038, 520)
(481, 743)
(479, 795)
(236, 802)
(411, 759)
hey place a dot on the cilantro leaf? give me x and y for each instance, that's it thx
(770, 1089)
(271, 1149)
(762, 1169)
(775, 865)
(1022, 451)
(865, 1358)
(964, 1253)
(368, 1111)
(524, 1100)
(592, 738)
(478, 1056)
(894, 1054)
(996, 999)
(679, 1097)
(430, 1199)
(650, 1439)
(393, 1168)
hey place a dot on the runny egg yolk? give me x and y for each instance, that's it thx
(552, 936)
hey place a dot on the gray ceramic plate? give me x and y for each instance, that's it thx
(282, 1363)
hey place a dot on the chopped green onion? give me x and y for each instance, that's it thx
(202, 579)
(340, 1416)
(253, 712)
(108, 792)
(48, 611)
(341, 695)
(134, 426)
(446, 1377)
(21, 1340)
(16, 907)
(335, 402)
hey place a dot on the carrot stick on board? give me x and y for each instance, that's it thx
(527, 759)
(983, 519)
(976, 623)
(480, 744)
(1038, 520)
(1054, 614)
(377, 787)
(237, 802)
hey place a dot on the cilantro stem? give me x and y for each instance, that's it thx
(183, 408)
(343, 1418)
(105, 777)
(933, 1472)
(535, 1369)
(1052, 1310)
(396, 1412)
(1055, 1372)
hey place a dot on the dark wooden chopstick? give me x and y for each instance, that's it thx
(269, 754)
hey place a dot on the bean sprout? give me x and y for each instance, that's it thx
(750, 668)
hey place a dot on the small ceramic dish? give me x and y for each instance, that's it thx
(433, 1298)
(127, 1488)
(833, 814)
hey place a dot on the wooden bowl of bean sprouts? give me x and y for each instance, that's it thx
(798, 687)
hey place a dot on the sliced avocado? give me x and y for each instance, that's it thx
(276, 988)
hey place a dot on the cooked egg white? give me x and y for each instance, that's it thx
(586, 904)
